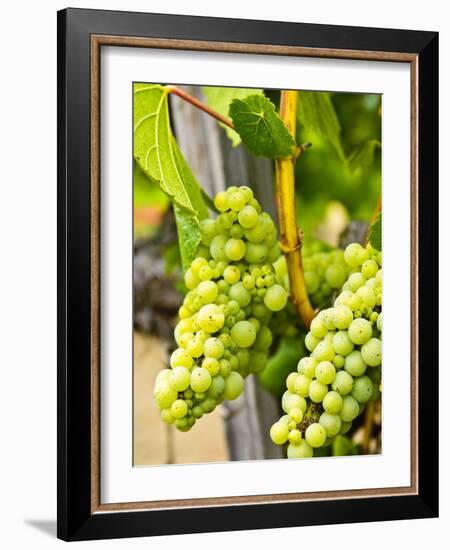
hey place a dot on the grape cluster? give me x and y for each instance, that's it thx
(222, 333)
(343, 371)
(325, 271)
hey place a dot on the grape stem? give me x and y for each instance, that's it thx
(290, 241)
(200, 105)
(368, 425)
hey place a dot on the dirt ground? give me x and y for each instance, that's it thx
(154, 441)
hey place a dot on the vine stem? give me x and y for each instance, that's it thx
(200, 105)
(290, 240)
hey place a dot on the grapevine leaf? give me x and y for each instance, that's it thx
(362, 158)
(316, 112)
(375, 233)
(220, 98)
(159, 157)
(260, 127)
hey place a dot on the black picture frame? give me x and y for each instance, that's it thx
(76, 519)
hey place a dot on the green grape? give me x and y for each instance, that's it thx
(200, 379)
(167, 417)
(367, 296)
(248, 217)
(164, 395)
(301, 385)
(355, 281)
(275, 298)
(312, 282)
(324, 351)
(181, 358)
(179, 378)
(296, 415)
(362, 389)
(211, 318)
(354, 364)
(217, 387)
(235, 249)
(291, 401)
(350, 409)
(360, 331)
(236, 201)
(343, 382)
(211, 365)
(332, 402)
(307, 366)
(240, 294)
(279, 433)
(317, 328)
(162, 376)
(244, 334)
(369, 269)
(231, 274)
(290, 382)
(234, 384)
(195, 347)
(331, 422)
(207, 291)
(342, 344)
(295, 437)
(256, 253)
(263, 339)
(342, 316)
(371, 352)
(335, 275)
(178, 408)
(221, 201)
(315, 435)
(325, 372)
(317, 391)
(302, 450)
(217, 248)
(213, 347)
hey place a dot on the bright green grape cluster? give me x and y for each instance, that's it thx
(343, 371)
(223, 332)
(325, 271)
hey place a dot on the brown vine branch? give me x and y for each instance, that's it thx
(368, 426)
(202, 106)
(290, 241)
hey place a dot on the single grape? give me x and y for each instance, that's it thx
(360, 331)
(342, 344)
(315, 435)
(164, 395)
(317, 391)
(181, 358)
(350, 409)
(211, 318)
(243, 333)
(295, 437)
(343, 382)
(331, 422)
(234, 384)
(240, 294)
(179, 378)
(325, 372)
(279, 433)
(275, 298)
(371, 352)
(248, 217)
(302, 450)
(178, 408)
(200, 379)
(354, 364)
(332, 402)
(221, 201)
(324, 351)
(362, 389)
(231, 274)
(301, 385)
(307, 366)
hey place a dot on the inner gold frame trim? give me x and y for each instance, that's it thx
(97, 41)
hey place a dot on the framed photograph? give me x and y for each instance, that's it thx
(247, 286)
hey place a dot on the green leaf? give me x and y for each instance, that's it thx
(220, 98)
(362, 158)
(159, 157)
(316, 112)
(260, 127)
(375, 233)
